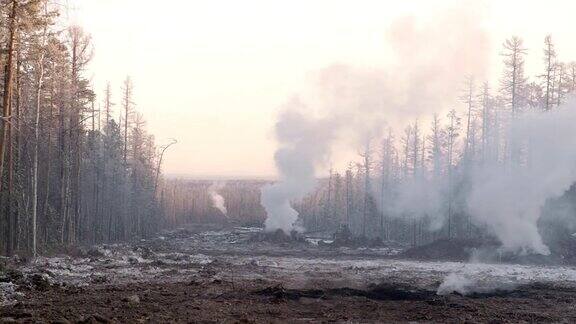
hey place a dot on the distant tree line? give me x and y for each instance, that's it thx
(188, 201)
(70, 171)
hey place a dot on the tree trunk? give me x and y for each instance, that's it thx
(7, 99)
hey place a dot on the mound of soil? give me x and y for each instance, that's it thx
(278, 237)
(563, 252)
(448, 250)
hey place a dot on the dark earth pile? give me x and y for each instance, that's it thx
(447, 250)
(563, 252)
(278, 237)
(383, 291)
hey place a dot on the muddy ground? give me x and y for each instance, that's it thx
(226, 276)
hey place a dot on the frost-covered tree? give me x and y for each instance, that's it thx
(513, 80)
(548, 75)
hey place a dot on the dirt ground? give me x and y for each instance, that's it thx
(168, 280)
(248, 301)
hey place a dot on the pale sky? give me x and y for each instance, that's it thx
(213, 74)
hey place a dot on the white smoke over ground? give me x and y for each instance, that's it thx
(456, 283)
(419, 197)
(467, 285)
(351, 103)
(510, 199)
(217, 199)
(304, 144)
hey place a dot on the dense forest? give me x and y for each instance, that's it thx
(414, 187)
(74, 168)
(186, 201)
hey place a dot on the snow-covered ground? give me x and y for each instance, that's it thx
(171, 258)
(359, 272)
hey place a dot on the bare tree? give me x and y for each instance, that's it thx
(386, 179)
(452, 133)
(367, 165)
(550, 64)
(513, 79)
(8, 86)
(39, 88)
(127, 106)
(468, 99)
(436, 140)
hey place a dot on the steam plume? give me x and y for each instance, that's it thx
(303, 145)
(217, 200)
(349, 104)
(509, 199)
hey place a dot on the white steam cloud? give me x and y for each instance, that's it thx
(217, 199)
(509, 199)
(456, 283)
(463, 284)
(303, 144)
(352, 103)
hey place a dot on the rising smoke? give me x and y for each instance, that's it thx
(217, 199)
(510, 199)
(507, 198)
(304, 144)
(465, 285)
(351, 105)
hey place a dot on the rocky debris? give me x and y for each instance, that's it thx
(133, 260)
(209, 270)
(132, 299)
(177, 257)
(216, 280)
(8, 293)
(278, 237)
(39, 282)
(145, 252)
(98, 279)
(194, 282)
(95, 253)
(11, 275)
